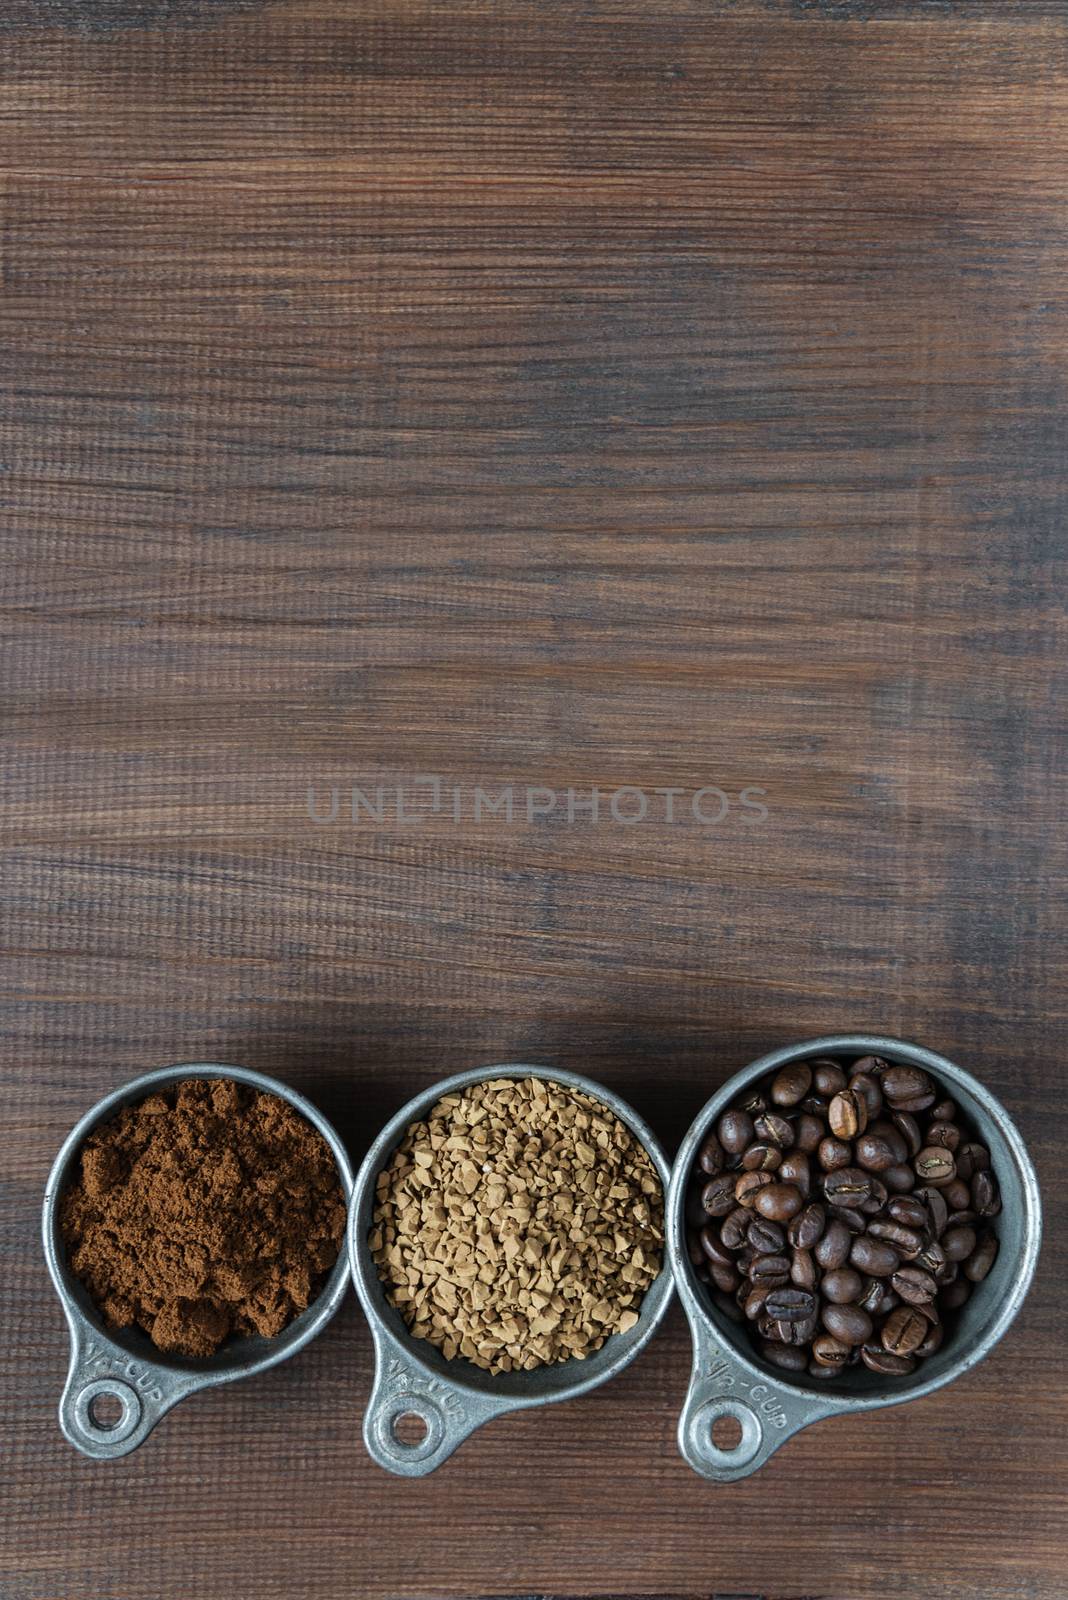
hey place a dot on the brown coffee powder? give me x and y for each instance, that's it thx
(209, 1209)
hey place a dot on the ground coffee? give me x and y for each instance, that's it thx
(208, 1209)
(519, 1225)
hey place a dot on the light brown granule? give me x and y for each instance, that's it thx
(519, 1225)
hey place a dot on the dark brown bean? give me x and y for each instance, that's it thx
(986, 1197)
(875, 1204)
(711, 1156)
(854, 1220)
(766, 1238)
(906, 1241)
(849, 1324)
(790, 1305)
(946, 1134)
(956, 1294)
(976, 1269)
(735, 1129)
(834, 1153)
(900, 1179)
(874, 1257)
(914, 1285)
(908, 1088)
(771, 1128)
(864, 1085)
(749, 1185)
(909, 1129)
(808, 1131)
(932, 1258)
(874, 1066)
(803, 1271)
(753, 1305)
(791, 1083)
(754, 1103)
(958, 1243)
(884, 1362)
(910, 1212)
(773, 1270)
(787, 1356)
(972, 1158)
(958, 1195)
(725, 1278)
(847, 1186)
(904, 1331)
(842, 1287)
(935, 1166)
(795, 1169)
(713, 1247)
(944, 1111)
(875, 1154)
(830, 1352)
(833, 1249)
(871, 1295)
(937, 1210)
(761, 1158)
(847, 1115)
(806, 1229)
(828, 1077)
(932, 1341)
(717, 1196)
(888, 1130)
(778, 1201)
(734, 1229)
(798, 1333)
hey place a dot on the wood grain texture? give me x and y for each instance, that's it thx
(661, 393)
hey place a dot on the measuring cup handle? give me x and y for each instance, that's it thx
(448, 1415)
(767, 1412)
(144, 1392)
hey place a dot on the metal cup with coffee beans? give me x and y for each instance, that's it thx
(845, 1211)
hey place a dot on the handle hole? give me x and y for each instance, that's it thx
(409, 1429)
(106, 1410)
(726, 1432)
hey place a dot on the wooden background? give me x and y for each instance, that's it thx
(658, 392)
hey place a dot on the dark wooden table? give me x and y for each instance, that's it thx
(557, 396)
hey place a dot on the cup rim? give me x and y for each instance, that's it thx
(78, 1306)
(386, 1324)
(691, 1291)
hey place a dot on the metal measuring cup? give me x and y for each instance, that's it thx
(125, 1364)
(453, 1398)
(729, 1379)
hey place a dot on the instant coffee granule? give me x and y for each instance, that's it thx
(209, 1209)
(519, 1225)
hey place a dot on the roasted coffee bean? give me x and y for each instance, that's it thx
(749, 1185)
(828, 1077)
(713, 1247)
(729, 1307)
(854, 1220)
(977, 1267)
(753, 1304)
(847, 1115)
(944, 1111)
(871, 1295)
(906, 1241)
(795, 1170)
(955, 1294)
(874, 1066)
(962, 1219)
(914, 1285)
(864, 1085)
(834, 1153)
(766, 1238)
(910, 1212)
(932, 1340)
(985, 1196)
(946, 1134)
(803, 1273)
(790, 1305)
(958, 1195)
(761, 1158)
(806, 1229)
(808, 1131)
(798, 1333)
(908, 1129)
(833, 1249)
(787, 1356)
(886, 1128)
(886, 1363)
(874, 1257)
(734, 1229)
(847, 1186)
(932, 1258)
(754, 1103)
(972, 1158)
(842, 1287)
(900, 1179)
(937, 1210)
(874, 1153)
(778, 1201)
(904, 1331)
(725, 1278)
(875, 1204)
(791, 1083)
(735, 1129)
(830, 1352)
(711, 1156)
(771, 1128)
(908, 1088)
(717, 1196)
(849, 1324)
(744, 1259)
(772, 1270)
(958, 1243)
(934, 1166)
